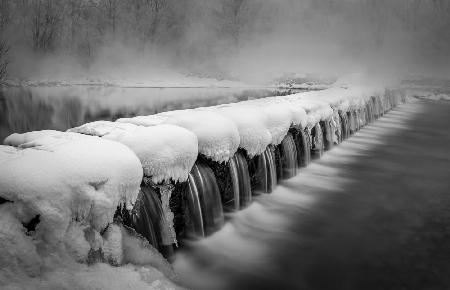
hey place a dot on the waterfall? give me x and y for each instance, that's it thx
(147, 218)
(206, 201)
(262, 171)
(353, 121)
(289, 158)
(337, 129)
(194, 221)
(233, 181)
(302, 146)
(317, 144)
(327, 132)
(345, 125)
(241, 180)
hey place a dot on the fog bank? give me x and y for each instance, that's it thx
(249, 40)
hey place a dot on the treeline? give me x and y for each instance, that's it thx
(195, 30)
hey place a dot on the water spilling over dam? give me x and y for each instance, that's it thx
(201, 168)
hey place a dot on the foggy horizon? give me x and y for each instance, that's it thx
(248, 40)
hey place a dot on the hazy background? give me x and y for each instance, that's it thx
(250, 40)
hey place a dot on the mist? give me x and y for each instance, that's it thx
(248, 40)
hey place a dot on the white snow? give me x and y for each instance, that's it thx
(69, 177)
(165, 151)
(218, 137)
(254, 135)
(74, 184)
(278, 118)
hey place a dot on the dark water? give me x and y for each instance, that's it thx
(25, 109)
(372, 213)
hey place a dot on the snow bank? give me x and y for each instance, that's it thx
(218, 137)
(278, 118)
(165, 151)
(60, 191)
(16, 139)
(254, 135)
(69, 177)
(260, 122)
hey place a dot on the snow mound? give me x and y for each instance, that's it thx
(254, 135)
(165, 151)
(218, 137)
(278, 117)
(69, 177)
(59, 193)
(16, 139)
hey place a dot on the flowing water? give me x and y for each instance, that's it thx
(263, 172)
(372, 213)
(288, 157)
(203, 187)
(241, 180)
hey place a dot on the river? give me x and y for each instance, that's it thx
(372, 213)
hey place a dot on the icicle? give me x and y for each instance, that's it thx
(170, 236)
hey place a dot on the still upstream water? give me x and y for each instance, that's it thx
(372, 213)
(24, 109)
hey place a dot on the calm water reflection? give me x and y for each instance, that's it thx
(36, 108)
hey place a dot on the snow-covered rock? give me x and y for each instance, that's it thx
(254, 135)
(69, 177)
(60, 190)
(165, 151)
(218, 137)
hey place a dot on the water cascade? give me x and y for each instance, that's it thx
(241, 181)
(288, 157)
(302, 145)
(327, 132)
(262, 171)
(233, 180)
(317, 148)
(204, 202)
(352, 121)
(345, 125)
(336, 127)
(147, 219)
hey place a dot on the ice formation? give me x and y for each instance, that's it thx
(165, 151)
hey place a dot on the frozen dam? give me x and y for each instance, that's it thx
(129, 193)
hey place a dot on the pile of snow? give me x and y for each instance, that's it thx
(254, 135)
(166, 151)
(218, 137)
(278, 117)
(60, 191)
(260, 122)
(68, 177)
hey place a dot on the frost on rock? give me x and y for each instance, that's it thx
(165, 151)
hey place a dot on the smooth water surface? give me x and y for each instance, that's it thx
(25, 109)
(372, 213)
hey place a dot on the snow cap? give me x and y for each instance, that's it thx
(218, 137)
(165, 151)
(68, 177)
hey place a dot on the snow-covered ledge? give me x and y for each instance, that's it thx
(72, 183)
